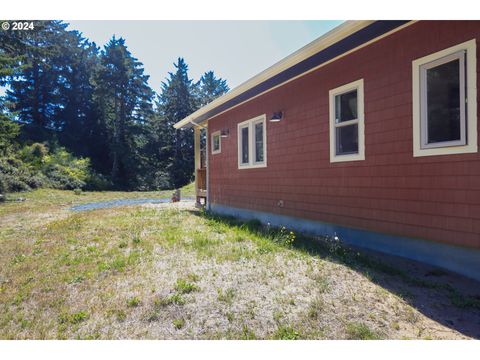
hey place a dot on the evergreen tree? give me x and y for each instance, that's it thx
(177, 100)
(97, 104)
(35, 89)
(123, 100)
(77, 115)
(11, 49)
(9, 130)
(209, 88)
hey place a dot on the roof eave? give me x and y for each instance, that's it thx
(334, 35)
(324, 43)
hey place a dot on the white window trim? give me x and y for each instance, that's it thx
(419, 136)
(219, 142)
(355, 85)
(251, 143)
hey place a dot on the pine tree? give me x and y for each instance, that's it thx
(77, 116)
(177, 100)
(124, 101)
(209, 88)
(98, 104)
(11, 49)
(35, 89)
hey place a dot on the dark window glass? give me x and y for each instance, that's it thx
(216, 142)
(443, 102)
(347, 139)
(259, 142)
(245, 145)
(346, 107)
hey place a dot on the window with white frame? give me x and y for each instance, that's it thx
(216, 143)
(444, 102)
(252, 140)
(347, 128)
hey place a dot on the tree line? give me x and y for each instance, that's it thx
(67, 100)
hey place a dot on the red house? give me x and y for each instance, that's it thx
(369, 133)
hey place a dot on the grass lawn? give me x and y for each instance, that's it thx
(168, 271)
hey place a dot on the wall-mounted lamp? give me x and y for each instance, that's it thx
(276, 116)
(224, 133)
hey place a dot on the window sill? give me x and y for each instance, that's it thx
(346, 158)
(450, 150)
(254, 166)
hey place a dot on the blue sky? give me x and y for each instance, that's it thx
(235, 50)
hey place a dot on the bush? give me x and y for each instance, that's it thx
(3, 185)
(15, 175)
(33, 155)
(36, 167)
(59, 177)
(97, 182)
(65, 171)
(36, 181)
(152, 181)
(9, 130)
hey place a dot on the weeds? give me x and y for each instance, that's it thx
(315, 307)
(247, 334)
(230, 316)
(133, 302)
(101, 249)
(462, 301)
(178, 324)
(120, 315)
(226, 296)
(360, 331)
(175, 299)
(185, 287)
(286, 333)
(73, 319)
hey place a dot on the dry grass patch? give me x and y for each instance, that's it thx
(171, 272)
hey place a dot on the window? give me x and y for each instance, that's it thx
(444, 102)
(252, 151)
(347, 129)
(216, 143)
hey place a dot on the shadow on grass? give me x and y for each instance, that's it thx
(439, 300)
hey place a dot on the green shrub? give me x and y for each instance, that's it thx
(9, 130)
(15, 175)
(3, 185)
(34, 155)
(97, 182)
(64, 171)
(34, 167)
(59, 177)
(151, 181)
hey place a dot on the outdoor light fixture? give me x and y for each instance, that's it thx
(224, 133)
(277, 116)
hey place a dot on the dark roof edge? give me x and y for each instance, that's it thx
(350, 42)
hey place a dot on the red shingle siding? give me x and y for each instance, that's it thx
(434, 197)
